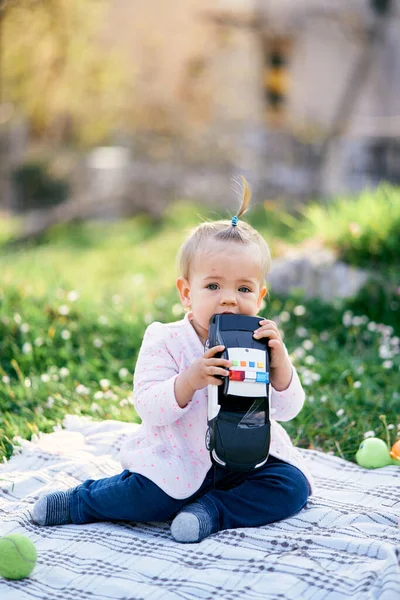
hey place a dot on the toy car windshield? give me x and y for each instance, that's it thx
(238, 435)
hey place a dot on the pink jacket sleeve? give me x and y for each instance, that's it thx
(288, 403)
(154, 379)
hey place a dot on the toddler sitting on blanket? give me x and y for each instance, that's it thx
(167, 469)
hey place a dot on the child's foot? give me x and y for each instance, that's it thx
(192, 524)
(53, 509)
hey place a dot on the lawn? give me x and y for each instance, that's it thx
(73, 309)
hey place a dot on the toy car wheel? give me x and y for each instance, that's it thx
(208, 439)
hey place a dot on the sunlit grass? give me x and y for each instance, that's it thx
(74, 307)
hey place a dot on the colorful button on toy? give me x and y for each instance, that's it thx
(262, 377)
(260, 365)
(237, 375)
(235, 363)
(243, 363)
(252, 364)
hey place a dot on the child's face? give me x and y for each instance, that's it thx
(228, 280)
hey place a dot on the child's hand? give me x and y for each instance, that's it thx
(202, 372)
(281, 367)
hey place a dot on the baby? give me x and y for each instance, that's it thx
(167, 469)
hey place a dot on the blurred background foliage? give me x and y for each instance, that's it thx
(57, 71)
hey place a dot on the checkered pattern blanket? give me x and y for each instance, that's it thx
(345, 544)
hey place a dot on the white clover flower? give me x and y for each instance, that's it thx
(104, 383)
(97, 343)
(5, 379)
(309, 360)
(94, 407)
(55, 377)
(103, 320)
(306, 377)
(387, 364)
(308, 345)
(98, 395)
(357, 321)
(64, 372)
(390, 426)
(38, 342)
(123, 372)
(299, 310)
(17, 318)
(24, 328)
(324, 398)
(27, 348)
(138, 279)
(284, 316)
(65, 334)
(27, 382)
(385, 352)
(316, 376)
(63, 310)
(301, 332)
(324, 336)
(360, 370)
(130, 399)
(369, 434)
(82, 390)
(148, 318)
(395, 341)
(311, 399)
(109, 395)
(72, 296)
(372, 326)
(340, 412)
(123, 402)
(299, 353)
(45, 377)
(357, 384)
(50, 402)
(177, 310)
(347, 318)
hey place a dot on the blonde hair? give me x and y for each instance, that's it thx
(203, 237)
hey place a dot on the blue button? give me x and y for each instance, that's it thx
(262, 377)
(252, 364)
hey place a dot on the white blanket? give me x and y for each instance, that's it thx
(345, 544)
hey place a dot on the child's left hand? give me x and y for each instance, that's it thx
(281, 367)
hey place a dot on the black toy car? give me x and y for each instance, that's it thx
(238, 435)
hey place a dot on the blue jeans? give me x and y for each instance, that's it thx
(272, 493)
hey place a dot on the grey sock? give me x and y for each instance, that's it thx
(192, 524)
(53, 509)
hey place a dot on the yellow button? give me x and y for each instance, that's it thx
(260, 365)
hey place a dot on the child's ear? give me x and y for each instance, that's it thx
(263, 292)
(184, 291)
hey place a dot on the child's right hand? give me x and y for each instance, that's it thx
(202, 372)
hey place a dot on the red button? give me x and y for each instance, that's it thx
(237, 375)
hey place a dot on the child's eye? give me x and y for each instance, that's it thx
(212, 286)
(245, 289)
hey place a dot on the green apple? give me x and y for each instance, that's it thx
(374, 453)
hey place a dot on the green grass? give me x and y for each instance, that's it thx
(74, 307)
(365, 230)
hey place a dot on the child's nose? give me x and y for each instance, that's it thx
(228, 298)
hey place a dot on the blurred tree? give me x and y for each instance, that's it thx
(57, 71)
